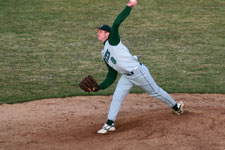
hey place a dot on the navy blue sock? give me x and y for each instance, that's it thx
(109, 122)
(175, 107)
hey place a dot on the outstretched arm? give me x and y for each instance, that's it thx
(110, 78)
(114, 37)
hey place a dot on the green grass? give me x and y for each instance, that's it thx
(48, 46)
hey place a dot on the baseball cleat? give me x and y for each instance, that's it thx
(180, 110)
(106, 128)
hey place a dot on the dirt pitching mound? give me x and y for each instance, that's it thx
(143, 123)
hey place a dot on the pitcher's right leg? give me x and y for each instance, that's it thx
(153, 89)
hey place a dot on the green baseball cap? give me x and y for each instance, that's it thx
(105, 28)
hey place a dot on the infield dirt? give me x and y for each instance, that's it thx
(143, 123)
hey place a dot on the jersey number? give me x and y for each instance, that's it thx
(107, 56)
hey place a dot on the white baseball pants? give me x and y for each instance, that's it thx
(141, 77)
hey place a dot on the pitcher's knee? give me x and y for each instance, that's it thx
(155, 93)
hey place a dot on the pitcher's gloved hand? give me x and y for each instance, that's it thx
(88, 84)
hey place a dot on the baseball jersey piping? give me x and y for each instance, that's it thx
(155, 91)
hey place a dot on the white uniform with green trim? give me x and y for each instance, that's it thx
(119, 58)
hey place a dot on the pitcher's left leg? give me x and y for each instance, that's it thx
(122, 89)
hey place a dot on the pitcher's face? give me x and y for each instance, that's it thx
(102, 35)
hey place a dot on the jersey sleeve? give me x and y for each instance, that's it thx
(114, 37)
(110, 78)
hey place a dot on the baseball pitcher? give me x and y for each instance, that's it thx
(118, 59)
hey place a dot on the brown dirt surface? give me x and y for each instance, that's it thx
(143, 123)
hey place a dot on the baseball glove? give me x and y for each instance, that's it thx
(88, 84)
